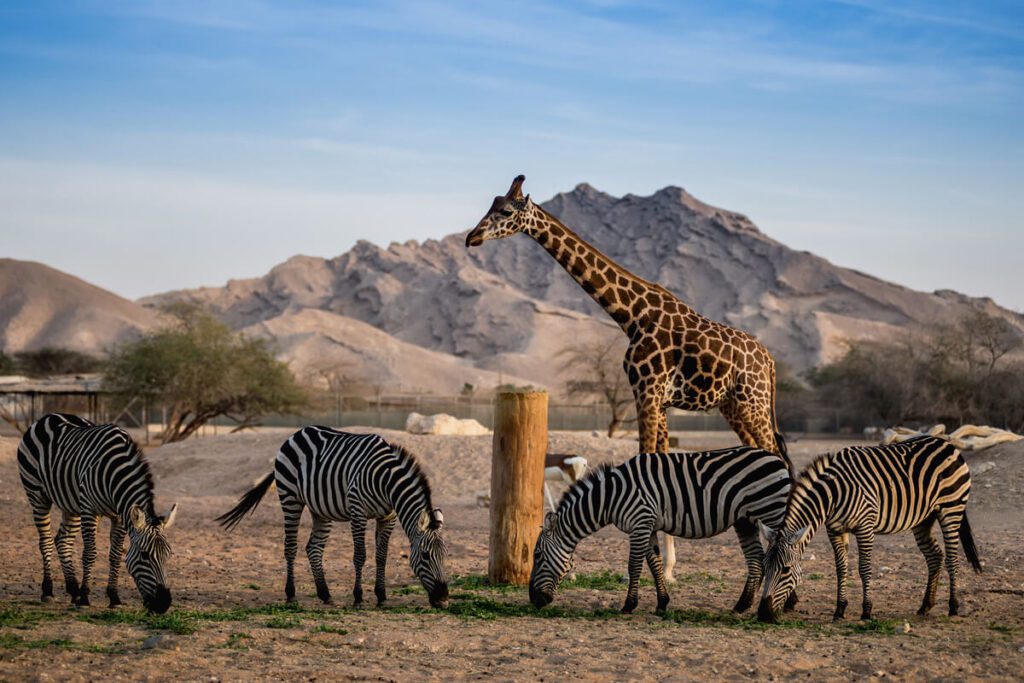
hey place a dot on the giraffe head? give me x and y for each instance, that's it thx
(504, 218)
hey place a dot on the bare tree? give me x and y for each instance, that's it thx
(594, 369)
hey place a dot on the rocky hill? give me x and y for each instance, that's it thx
(507, 306)
(41, 306)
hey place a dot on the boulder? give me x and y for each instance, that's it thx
(443, 424)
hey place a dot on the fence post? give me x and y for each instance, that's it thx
(517, 483)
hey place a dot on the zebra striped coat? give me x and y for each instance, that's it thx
(354, 478)
(693, 495)
(90, 471)
(867, 491)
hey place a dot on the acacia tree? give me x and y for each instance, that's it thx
(594, 369)
(200, 369)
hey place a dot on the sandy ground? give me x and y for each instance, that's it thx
(226, 622)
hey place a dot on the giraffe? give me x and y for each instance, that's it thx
(675, 357)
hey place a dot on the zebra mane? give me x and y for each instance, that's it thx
(409, 460)
(593, 476)
(147, 477)
(813, 471)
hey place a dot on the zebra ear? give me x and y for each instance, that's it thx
(549, 520)
(766, 531)
(798, 536)
(169, 519)
(137, 516)
(438, 518)
(424, 521)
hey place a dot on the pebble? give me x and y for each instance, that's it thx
(153, 642)
(903, 628)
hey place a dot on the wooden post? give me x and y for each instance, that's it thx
(517, 483)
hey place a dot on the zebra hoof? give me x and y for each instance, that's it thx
(46, 598)
(291, 600)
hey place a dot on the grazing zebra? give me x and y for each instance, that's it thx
(354, 478)
(693, 495)
(90, 471)
(868, 491)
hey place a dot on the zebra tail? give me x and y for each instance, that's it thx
(247, 503)
(967, 540)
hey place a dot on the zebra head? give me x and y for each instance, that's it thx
(147, 556)
(428, 557)
(781, 569)
(552, 559)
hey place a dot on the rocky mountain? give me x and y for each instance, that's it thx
(41, 306)
(508, 306)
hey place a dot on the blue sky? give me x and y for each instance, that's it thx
(154, 145)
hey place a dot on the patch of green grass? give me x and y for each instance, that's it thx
(815, 576)
(234, 641)
(885, 627)
(699, 617)
(283, 621)
(327, 628)
(16, 616)
(253, 586)
(409, 590)
(604, 580)
(1005, 629)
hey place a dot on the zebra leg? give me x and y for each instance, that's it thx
(315, 554)
(639, 541)
(841, 549)
(865, 543)
(933, 556)
(753, 553)
(65, 542)
(292, 515)
(654, 564)
(358, 557)
(41, 518)
(89, 522)
(116, 553)
(382, 537)
(950, 525)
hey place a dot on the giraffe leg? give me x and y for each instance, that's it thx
(753, 553)
(648, 419)
(933, 556)
(65, 542)
(668, 541)
(315, 555)
(116, 551)
(89, 523)
(731, 412)
(382, 537)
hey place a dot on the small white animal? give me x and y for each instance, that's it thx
(563, 467)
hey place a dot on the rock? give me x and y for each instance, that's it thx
(982, 468)
(443, 424)
(155, 641)
(903, 628)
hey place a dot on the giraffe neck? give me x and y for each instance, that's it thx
(613, 287)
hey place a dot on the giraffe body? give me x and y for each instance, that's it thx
(676, 357)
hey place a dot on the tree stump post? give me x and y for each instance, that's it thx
(517, 483)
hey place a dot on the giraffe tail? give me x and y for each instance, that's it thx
(780, 447)
(247, 503)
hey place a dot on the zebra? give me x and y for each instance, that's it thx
(693, 495)
(90, 471)
(355, 478)
(867, 491)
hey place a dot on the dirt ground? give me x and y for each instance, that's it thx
(228, 621)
